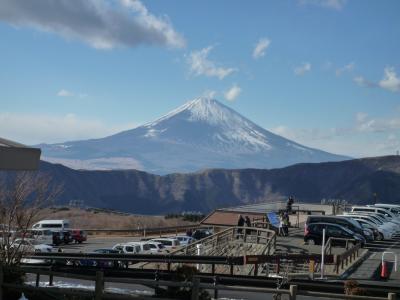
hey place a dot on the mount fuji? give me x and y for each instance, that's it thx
(201, 134)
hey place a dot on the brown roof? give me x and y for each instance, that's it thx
(228, 218)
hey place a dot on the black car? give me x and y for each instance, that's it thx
(342, 221)
(314, 231)
(58, 238)
(199, 234)
(67, 237)
(108, 263)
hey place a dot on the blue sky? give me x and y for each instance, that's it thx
(325, 73)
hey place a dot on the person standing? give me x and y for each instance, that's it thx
(286, 223)
(240, 224)
(280, 230)
(248, 224)
(289, 204)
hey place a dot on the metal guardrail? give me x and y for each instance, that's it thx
(195, 285)
(147, 231)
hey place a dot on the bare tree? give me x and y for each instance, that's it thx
(22, 196)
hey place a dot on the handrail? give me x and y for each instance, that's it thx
(100, 279)
(328, 244)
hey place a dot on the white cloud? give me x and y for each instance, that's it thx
(347, 68)
(366, 124)
(262, 45)
(199, 64)
(361, 81)
(390, 80)
(33, 129)
(332, 4)
(101, 24)
(232, 93)
(65, 93)
(302, 69)
(367, 136)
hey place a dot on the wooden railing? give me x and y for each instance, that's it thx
(226, 243)
(341, 261)
(195, 285)
(347, 258)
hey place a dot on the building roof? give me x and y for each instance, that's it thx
(279, 205)
(18, 157)
(227, 218)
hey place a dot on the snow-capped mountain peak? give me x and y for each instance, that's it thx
(201, 109)
(202, 133)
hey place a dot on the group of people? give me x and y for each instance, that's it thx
(243, 222)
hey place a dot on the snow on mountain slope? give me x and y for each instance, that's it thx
(202, 133)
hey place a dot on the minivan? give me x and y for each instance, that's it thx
(345, 222)
(55, 225)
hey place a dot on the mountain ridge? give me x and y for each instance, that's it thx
(140, 192)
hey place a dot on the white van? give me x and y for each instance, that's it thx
(55, 225)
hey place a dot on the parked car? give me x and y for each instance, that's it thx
(156, 247)
(144, 246)
(383, 220)
(27, 245)
(30, 245)
(345, 222)
(395, 209)
(185, 240)
(385, 231)
(107, 263)
(67, 237)
(199, 234)
(79, 236)
(57, 238)
(384, 212)
(379, 234)
(127, 248)
(55, 225)
(314, 232)
(43, 236)
(169, 243)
